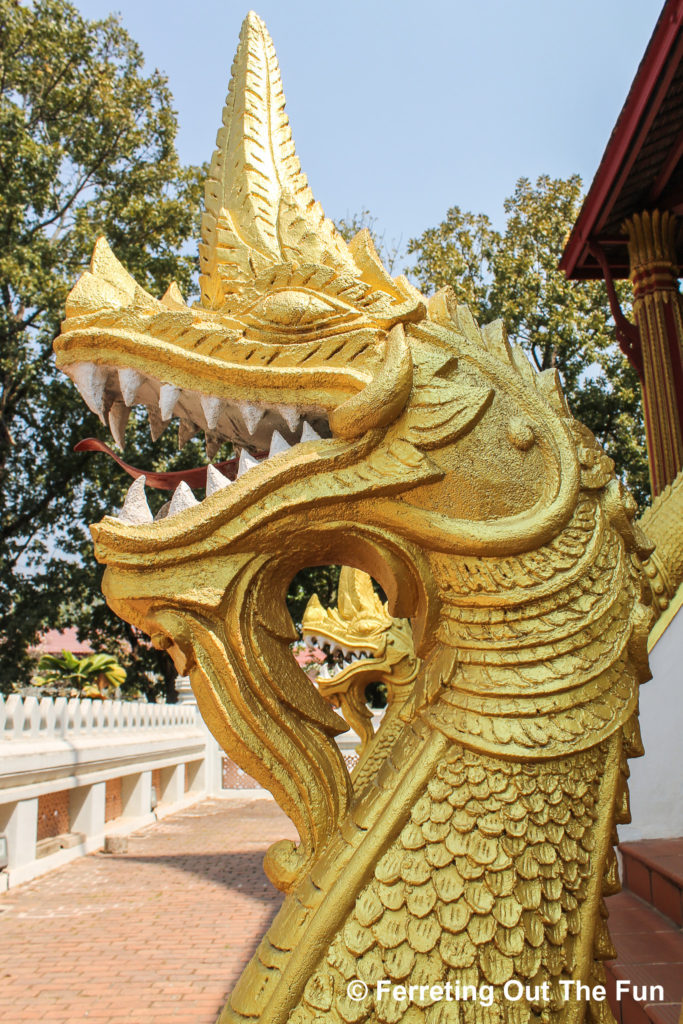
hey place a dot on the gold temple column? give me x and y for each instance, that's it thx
(659, 315)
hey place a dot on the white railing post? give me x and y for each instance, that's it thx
(86, 809)
(172, 784)
(183, 689)
(136, 794)
(195, 772)
(19, 823)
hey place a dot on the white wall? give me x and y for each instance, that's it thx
(656, 783)
(55, 746)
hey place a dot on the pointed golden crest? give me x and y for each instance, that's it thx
(262, 228)
(259, 208)
(359, 611)
(356, 596)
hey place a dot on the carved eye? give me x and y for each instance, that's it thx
(296, 308)
(521, 433)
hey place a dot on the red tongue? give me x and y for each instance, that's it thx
(194, 478)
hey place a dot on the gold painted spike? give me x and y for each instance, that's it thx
(442, 308)
(259, 208)
(496, 341)
(408, 290)
(173, 297)
(356, 596)
(371, 268)
(106, 285)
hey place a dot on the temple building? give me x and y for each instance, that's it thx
(631, 226)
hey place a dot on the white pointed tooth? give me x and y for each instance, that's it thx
(251, 414)
(135, 508)
(91, 381)
(118, 419)
(182, 498)
(156, 425)
(215, 481)
(129, 382)
(289, 415)
(324, 672)
(307, 641)
(309, 434)
(186, 430)
(246, 462)
(278, 444)
(212, 410)
(168, 396)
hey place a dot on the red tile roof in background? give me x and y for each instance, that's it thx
(57, 640)
(306, 655)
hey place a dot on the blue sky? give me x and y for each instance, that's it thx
(408, 108)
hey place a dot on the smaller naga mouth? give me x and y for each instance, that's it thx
(340, 657)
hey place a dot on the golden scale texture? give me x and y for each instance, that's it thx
(473, 842)
(485, 883)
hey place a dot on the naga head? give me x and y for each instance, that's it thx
(366, 645)
(377, 428)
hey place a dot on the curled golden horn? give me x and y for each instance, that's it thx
(378, 404)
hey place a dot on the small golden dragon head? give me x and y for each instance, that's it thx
(366, 645)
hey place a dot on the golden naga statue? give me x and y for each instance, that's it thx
(409, 442)
(367, 645)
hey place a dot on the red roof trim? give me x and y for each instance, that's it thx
(614, 164)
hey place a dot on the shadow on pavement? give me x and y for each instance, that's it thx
(237, 871)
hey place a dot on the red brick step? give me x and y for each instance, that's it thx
(653, 870)
(649, 952)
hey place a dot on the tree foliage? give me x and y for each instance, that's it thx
(87, 147)
(513, 275)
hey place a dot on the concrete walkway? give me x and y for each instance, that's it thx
(156, 936)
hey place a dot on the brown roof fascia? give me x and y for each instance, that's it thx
(644, 99)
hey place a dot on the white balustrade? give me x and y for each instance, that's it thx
(76, 747)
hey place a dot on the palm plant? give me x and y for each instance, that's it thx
(94, 675)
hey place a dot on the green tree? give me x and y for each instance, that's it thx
(322, 580)
(513, 275)
(87, 147)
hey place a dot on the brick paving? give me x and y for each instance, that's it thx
(156, 936)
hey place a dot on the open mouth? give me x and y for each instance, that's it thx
(340, 657)
(257, 432)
